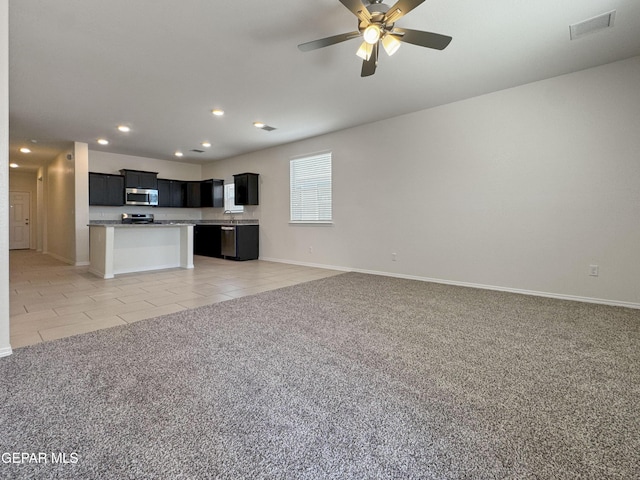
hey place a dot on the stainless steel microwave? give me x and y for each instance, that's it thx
(141, 196)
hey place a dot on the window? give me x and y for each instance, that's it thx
(229, 199)
(311, 189)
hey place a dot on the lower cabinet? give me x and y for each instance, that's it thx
(207, 241)
(240, 242)
(246, 243)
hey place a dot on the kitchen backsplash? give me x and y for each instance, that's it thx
(102, 214)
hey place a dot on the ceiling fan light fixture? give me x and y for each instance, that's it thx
(391, 44)
(365, 51)
(376, 24)
(372, 34)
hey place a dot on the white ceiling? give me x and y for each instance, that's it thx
(78, 68)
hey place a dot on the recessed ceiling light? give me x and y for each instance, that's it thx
(217, 112)
(25, 150)
(103, 141)
(259, 124)
(13, 165)
(178, 154)
(124, 128)
(206, 144)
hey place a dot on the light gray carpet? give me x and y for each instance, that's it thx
(350, 377)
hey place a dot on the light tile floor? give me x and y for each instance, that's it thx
(50, 299)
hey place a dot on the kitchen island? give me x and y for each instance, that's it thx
(116, 248)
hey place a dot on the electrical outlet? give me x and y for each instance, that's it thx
(394, 257)
(593, 270)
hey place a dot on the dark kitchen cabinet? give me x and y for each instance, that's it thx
(140, 179)
(106, 189)
(212, 193)
(170, 193)
(246, 188)
(192, 196)
(245, 242)
(206, 240)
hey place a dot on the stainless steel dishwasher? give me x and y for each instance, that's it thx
(228, 239)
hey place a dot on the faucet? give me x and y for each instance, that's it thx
(228, 212)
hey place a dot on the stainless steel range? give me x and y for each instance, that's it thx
(137, 218)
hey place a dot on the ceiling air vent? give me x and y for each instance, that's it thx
(592, 25)
(197, 151)
(268, 128)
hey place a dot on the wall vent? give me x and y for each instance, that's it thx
(592, 25)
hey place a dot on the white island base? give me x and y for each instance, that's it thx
(118, 248)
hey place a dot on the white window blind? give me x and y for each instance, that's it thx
(311, 189)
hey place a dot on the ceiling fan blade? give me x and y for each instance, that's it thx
(400, 9)
(369, 66)
(325, 42)
(422, 39)
(358, 9)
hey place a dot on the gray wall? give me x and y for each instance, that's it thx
(60, 184)
(521, 190)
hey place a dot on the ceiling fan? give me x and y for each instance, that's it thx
(376, 25)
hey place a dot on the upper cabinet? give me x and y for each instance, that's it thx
(246, 188)
(212, 193)
(106, 189)
(140, 179)
(170, 193)
(192, 194)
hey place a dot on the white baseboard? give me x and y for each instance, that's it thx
(307, 264)
(5, 352)
(66, 260)
(58, 257)
(98, 274)
(559, 296)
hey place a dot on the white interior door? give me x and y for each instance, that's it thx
(19, 208)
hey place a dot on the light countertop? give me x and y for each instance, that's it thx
(130, 225)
